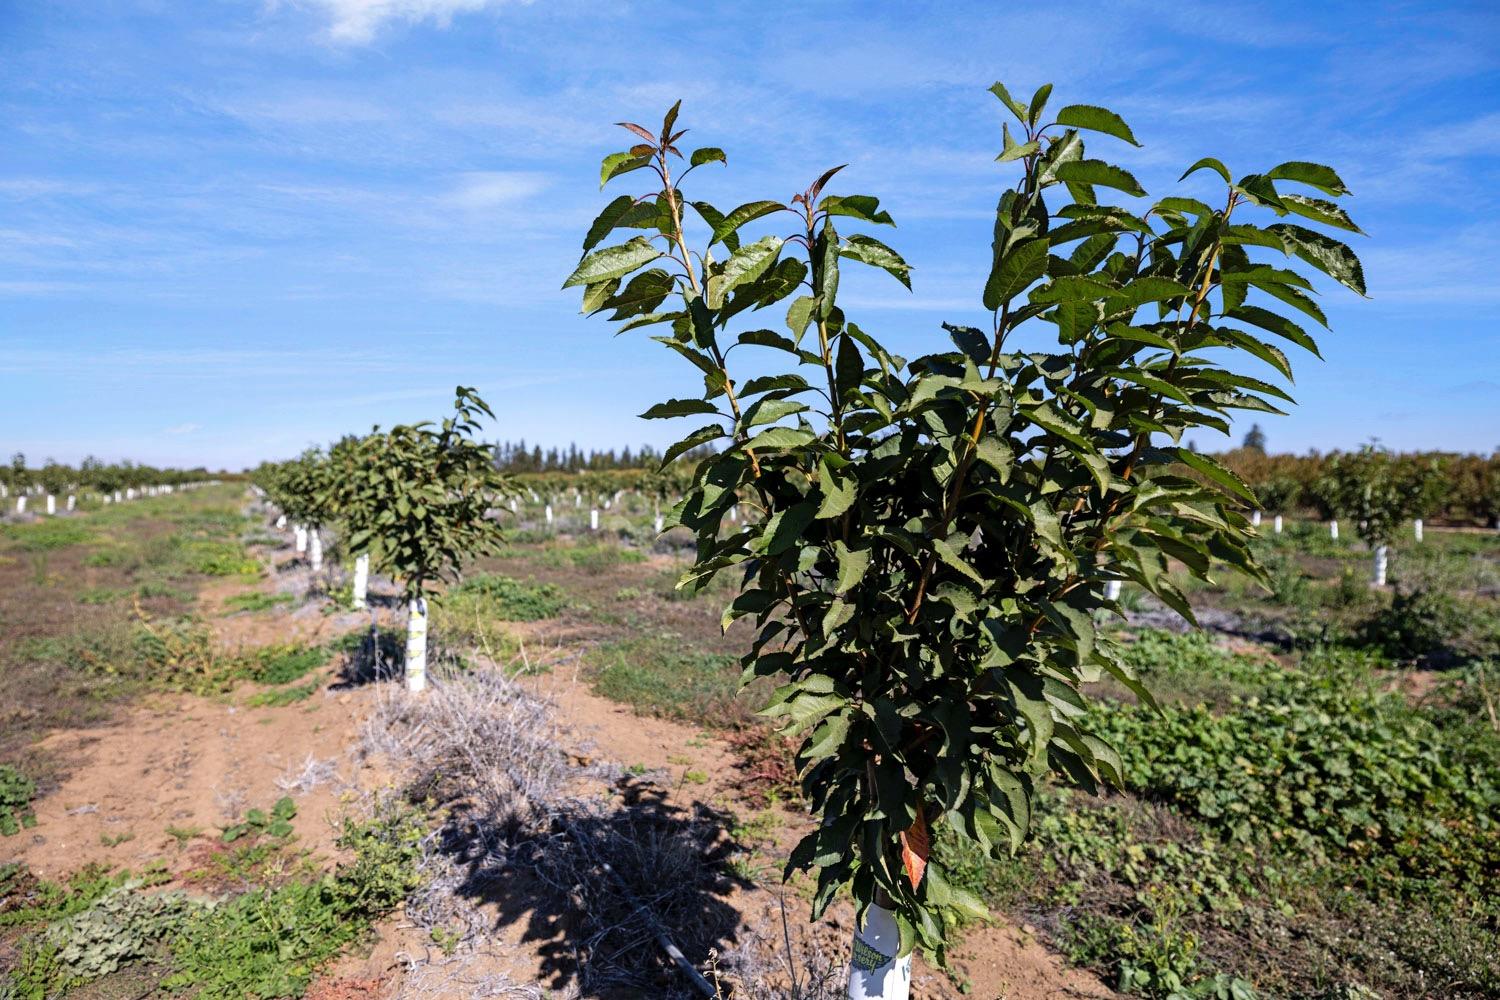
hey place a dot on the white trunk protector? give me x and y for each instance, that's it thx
(1112, 590)
(416, 646)
(658, 523)
(301, 535)
(1416, 529)
(51, 504)
(1333, 530)
(548, 512)
(20, 505)
(1255, 519)
(281, 521)
(72, 501)
(1276, 525)
(315, 549)
(361, 580)
(593, 520)
(875, 973)
(1381, 558)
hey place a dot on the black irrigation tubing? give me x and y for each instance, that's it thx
(659, 932)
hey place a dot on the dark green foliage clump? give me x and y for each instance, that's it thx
(16, 793)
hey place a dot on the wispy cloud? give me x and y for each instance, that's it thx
(181, 429)
(357, 22)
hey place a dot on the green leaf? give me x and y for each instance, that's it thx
(1275, 323)
(853, 564)
(1096, 120)
(1038, 102)
(827, 738)
(1216, 473)
(1318, 210)
(616, 164)
(1016, 107)
(747, 212)
(1312, 174)
(1015, 272)
(613, 215)
(613, 262)
(780, 437)
(708, 154)
(950, 557)
(1207, 163)
(1327, 254)
(799, 314)
(856, 206)
(746, 265)
(679, 408)
(1099, 173)
(838, 491)
(868, 250)
(702, 435)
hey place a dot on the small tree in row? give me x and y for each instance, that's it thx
(418, 500)
(934, 536)
(1377, 493)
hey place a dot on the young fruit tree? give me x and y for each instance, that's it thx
(303, 494)
(1277, 495)
(420, 506)
(1377, 493)
(933, 536)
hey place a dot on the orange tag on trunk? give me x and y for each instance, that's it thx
(914, 849)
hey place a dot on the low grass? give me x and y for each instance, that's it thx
(657, 675)
(258, 600)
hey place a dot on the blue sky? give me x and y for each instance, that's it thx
(233, 228)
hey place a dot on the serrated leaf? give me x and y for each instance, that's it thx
(613, 262)
(679, 408)
(1100, 174)
(616, 164)
(747, 212)
(708, 154)
(1015, 272)
(868, 250)
(1096, 119)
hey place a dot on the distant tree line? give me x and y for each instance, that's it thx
(93, 474)
(1450, 486)
(518, 456)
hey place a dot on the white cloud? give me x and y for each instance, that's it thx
(356, 22)
(484, 189)
(181, 429)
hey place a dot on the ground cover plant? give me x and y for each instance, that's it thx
(933, 537)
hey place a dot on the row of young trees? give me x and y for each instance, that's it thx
(1461, 489)
(91, 475)
(416, 502)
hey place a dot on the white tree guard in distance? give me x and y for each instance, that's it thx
(301, 536)
(1416, 529)
(1333, 530)
(72, 501)
(315, 549)
(361, 580)
(1112, 590)
(1377, 576)
(875, 973)
(51, 504)
(593, 520)
(416, 645)
(1276, 525)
